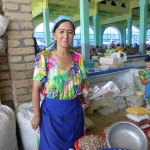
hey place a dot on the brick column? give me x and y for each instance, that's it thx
(21, 52)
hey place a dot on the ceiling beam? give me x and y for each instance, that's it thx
(113, 9)
(109, 20)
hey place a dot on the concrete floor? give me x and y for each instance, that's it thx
(101, 122)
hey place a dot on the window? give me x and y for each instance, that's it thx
(111, 34)
(77, 37)
(123, 5)
(148, 37)
(39, 35)
(113, 3)
(135, 35)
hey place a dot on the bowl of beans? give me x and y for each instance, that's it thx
(90, 142)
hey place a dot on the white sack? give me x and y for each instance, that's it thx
(120, 101)
(104, 106)
(134, 101)
(138, 83)
(8, 140)
(24, 115)
(3, 24)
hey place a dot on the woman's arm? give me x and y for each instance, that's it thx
(85, 83)
(36, 103)
(145, 81)
(86, 102)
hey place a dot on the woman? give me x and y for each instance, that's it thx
(59, 75)
(144, 76)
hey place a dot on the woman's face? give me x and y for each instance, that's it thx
(64, 34)
(147, 64)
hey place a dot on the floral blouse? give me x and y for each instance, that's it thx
(143, 73)
(58, 83)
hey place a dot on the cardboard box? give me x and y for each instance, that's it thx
(110, 61)
(107, 60)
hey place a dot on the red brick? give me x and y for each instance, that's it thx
(6, 83)
(29, 58)
(4, 75)
(13, 59)
(21, 91)
(29, 74)
(3, 59)
(11, 6)
(14, 25)
(28, 42)
(14, 43)
(26, 25)
(19, 16)
(4, 67)
(22, 83)
(21, 51)
(18, 75)
(26, 8)
(24, 98)
(7, 97)
(6, 90)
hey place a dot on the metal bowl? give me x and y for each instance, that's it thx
(126, 135)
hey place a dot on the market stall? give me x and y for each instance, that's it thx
(129, 96)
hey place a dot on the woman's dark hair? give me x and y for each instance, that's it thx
(147, 59)
(60, 22)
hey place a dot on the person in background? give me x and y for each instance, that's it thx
(37, 49)
(92, 53)
(144, 75)
(60, 76)
(110, 49)
(120, 48)
(133, 51)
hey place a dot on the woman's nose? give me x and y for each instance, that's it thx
(66, 34)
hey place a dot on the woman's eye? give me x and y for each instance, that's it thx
(61, 31)
(70, 32)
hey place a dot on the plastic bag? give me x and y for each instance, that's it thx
(119, 59)
(122, 57)
(3, 24)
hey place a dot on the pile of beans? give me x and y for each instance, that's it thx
(91, 142)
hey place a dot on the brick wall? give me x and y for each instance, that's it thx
(16, 64)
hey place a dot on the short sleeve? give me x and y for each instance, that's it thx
(77, 57)
(81, 64)
(142, 74)
(40, 73)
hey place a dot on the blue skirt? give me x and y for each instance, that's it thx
(62, 123)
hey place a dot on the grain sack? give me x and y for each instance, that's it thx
(4, 22)
(8, 140)
(120, 101)
(134, 101)
(89, 124)
(109, 108)
(127, 91)
(104, 106)
(137, 81)
(24, 115)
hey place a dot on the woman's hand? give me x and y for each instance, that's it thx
(86, 103)
(35, 122)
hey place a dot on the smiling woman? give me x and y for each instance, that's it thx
(60, 76)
